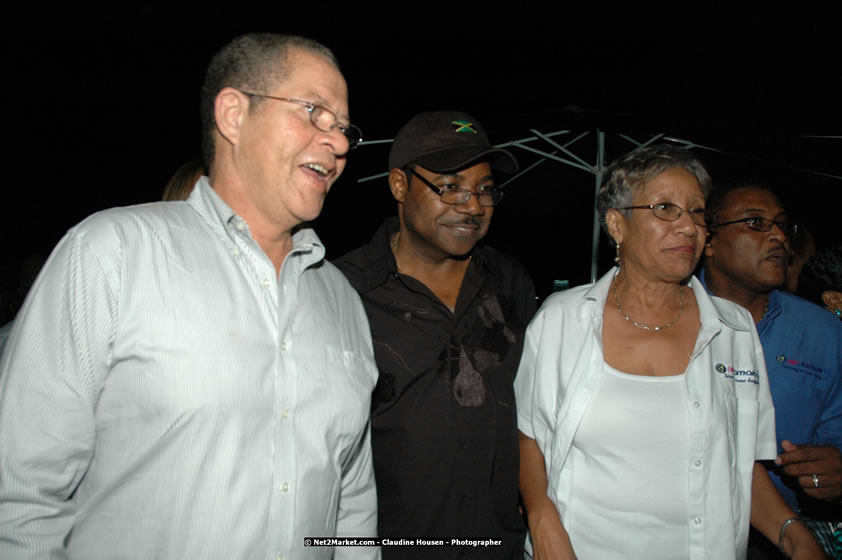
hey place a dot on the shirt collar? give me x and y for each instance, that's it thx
(225, 222)
(713, 311)
(593, 301)
(380, 262)
(210, 206)
(726, 312)
(772, 310)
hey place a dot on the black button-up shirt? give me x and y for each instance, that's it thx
(444, 426)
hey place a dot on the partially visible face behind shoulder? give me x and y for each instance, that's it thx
(749, 259)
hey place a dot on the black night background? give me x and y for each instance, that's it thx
(100, 105)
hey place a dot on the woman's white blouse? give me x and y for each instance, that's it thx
(729, 409)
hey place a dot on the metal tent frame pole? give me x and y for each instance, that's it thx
(597, 169)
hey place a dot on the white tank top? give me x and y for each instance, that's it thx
(630, 461)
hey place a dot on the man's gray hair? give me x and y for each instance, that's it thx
(253, 62)
(627, 175)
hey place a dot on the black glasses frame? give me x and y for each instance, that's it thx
(763, 225)
(495, 194)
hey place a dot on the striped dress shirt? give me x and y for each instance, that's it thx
(165, 394)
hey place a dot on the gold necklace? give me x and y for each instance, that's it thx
(393, 245)
(647, 327)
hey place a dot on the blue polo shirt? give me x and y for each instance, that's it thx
(802, 344)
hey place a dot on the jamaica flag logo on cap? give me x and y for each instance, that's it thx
(463, 126)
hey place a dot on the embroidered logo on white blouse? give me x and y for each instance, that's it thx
(738, 375)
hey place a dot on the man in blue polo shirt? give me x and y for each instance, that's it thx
(745, 260)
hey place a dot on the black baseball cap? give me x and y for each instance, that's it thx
(444, 141)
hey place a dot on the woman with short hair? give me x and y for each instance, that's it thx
(643, 401)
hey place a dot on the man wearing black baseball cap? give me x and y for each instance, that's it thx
(447, 318)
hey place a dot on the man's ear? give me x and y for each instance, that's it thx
(614, 223)
(709, 245)
(229, 109)
(832, 299)
(398, 184)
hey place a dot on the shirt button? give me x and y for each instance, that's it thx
(696, 404)
(285, 487)
(698, 521)
(285, 414)
(241, 226)
(279, 556)
(267, 282)
(283, 346)
(465, 498)
(697, 462)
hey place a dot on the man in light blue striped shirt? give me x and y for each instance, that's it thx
(192, 379)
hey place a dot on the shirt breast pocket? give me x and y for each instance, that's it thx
(742, 421)
(347, 384)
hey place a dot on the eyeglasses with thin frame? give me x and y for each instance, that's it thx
(453, 194)
(758, 223)
(321, 117)
(670, 212)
